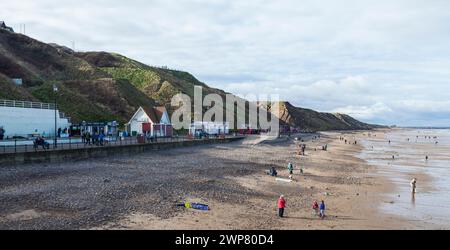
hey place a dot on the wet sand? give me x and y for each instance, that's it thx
(431, 203)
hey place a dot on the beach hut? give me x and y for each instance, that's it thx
(150, 121)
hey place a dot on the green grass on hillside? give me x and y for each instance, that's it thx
(73, 104)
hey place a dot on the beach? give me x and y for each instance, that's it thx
(142, 192)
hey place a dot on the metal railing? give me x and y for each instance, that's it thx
(24, 146)
(32, 105)
(26, 104)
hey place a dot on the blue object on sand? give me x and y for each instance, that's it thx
(199, 206)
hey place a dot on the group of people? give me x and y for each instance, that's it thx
(348, 141)
(40, 141)
(2, 133)
(318, 209)
(94, 138)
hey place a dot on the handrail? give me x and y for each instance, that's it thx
(33, 105)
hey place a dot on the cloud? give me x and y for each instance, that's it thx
(321, 54)
(365, 112)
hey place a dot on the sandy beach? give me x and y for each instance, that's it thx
(350, 187)
(141, 192)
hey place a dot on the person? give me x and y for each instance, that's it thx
(2, 133)
(413, 185)
(273, 172)
(426, 157)
(59, 132)
(281, 206)
(315, 208)
(101, 138)
(83, 137)
(291, 168)
(322, 210)
(88, 138)
(39, 141)
(95, 138)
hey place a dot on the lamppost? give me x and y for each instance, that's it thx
(55, 91)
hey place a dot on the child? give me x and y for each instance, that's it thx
(322, 210)
(315, 208)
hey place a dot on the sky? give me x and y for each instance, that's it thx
(381, 61)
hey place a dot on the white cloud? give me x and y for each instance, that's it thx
(365, 112)
(320, 54)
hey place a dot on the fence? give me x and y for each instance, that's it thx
(32, 105)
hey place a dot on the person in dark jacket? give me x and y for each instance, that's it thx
(88, 138)
(2, 133)
(273, 172)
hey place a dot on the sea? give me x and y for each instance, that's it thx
(410, 147)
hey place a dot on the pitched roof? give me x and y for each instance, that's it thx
(154, 113)
(160, 112)
(151, 113)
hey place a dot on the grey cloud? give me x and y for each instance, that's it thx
(300, 50)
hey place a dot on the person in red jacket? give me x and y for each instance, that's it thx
(315, 208)
(281, 206)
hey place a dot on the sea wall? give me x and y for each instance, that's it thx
(58, 156)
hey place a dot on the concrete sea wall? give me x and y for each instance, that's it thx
(58, 156)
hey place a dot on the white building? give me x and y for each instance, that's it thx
(150, 121)
(19, 118)
(211, 128)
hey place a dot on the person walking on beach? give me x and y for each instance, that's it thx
(413, 186)
(315, 208)
(291, 168)
(281, 206)
(322, 210)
